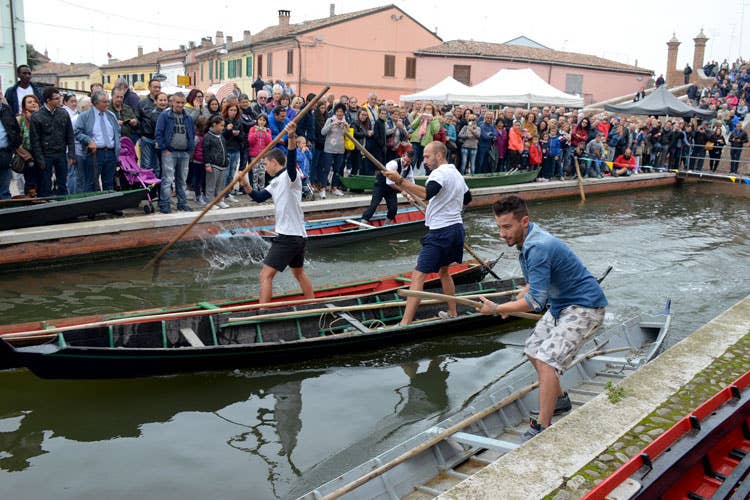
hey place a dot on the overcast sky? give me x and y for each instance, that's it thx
(632, 32)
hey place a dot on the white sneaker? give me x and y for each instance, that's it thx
(222, 204)
(337, 192)
(323, 194)
(231, 198)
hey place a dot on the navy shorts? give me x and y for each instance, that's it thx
(441, 247)
(286, 250)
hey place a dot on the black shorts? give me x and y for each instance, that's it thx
(440, 248)
(285, 251)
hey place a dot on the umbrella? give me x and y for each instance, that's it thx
(222, 90)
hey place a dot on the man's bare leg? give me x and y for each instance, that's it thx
(449, 288)
(304, 282)
(267, 274)
(549, 390)
(417, 283)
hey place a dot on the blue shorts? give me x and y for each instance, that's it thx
(441, 247)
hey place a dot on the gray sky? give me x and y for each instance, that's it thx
(630, 32)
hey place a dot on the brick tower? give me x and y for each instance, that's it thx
(700, 51)
(673, 76)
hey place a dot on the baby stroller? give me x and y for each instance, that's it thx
(132, 176)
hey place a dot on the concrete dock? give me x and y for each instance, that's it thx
(136, 232)
(572, 456)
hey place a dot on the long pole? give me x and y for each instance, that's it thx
(419, 203)
(240, 175)
(580, 179)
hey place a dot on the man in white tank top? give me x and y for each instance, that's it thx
(447, 194)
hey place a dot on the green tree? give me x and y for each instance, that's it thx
(33, 58)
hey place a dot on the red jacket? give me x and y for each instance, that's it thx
(622, 162)
(257, 140)
(535, 155)
(579, 134)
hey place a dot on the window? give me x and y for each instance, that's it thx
(194, 79)
(221, 70)
(260, 65)
(289, 62)
(389, 66)
(269, 64)
(573, 83)
(462, 73)
(230, 69)
(238, 67)
(249, 66)
(133, 78)
(411, 67)
(216, 70)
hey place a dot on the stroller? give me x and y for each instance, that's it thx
(132, 176)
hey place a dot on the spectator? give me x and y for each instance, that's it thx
(698, 155)
(715, 146)
(98, 133)
(660, 81)
(234, 140)
(175, 138)
(194, 104)
(129, 97)
(424, 126)
(70, 105)
(362, 134)
(737, 141)
(15, 93)
(213, 107)
(197, 162)
(32, 174)
(320, 115)
(595, 154)
(334, 130)
(258, 138)
(215, 159)
(145, 114)
(515, 146)
(486, 139)
(52, 143)
(125, 115)
(10, 141)
(687, 72)
(469, 134)
(624, 164)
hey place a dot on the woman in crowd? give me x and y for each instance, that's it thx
(424, 126)
(334, 130)
(295, 106)
(32, 174)
(714, 154)
(212, 107)
(320, 115)
(515, 146)
(258, 138)
(234, 140)
(376, 143)
(529, 125)
(70, 104)
(469, 135)
(197, 165)
(194, 105)
(362, 134)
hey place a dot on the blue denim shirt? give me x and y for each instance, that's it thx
(556, 276)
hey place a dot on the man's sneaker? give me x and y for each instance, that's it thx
(337, 192)
(231, 198)
(563, 405)
(201, 201)
(323, 193)
(222, 204)
(534, 429)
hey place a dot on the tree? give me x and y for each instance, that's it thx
(34, 58)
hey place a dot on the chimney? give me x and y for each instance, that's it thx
(206, 42)
(673, 75)
(140, 51)
(191, 44)
(698, 53)
(182, 48)
(284, 21)
(219, 38)
(246, 36)
(229, 39)
(333, 10)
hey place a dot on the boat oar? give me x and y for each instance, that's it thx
(580, 179)
(418, 203)
(460, 300)
(240, 175)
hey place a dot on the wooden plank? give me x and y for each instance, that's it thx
(191, 337)
(360, 224)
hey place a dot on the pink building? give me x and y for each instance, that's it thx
(356, 53)
(595, 78)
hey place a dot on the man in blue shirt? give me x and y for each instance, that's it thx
(557, 281)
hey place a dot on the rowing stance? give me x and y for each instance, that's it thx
(386, 188)
(557, 278)
(288, 248)
(447, 193)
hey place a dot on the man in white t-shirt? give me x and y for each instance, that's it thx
(447, 194)
(386, 189)
(285, 188)
(23, 87)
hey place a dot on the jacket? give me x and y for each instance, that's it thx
(12, 128)
(535, 154)
(12, 97)
(84, 129)
(554, 147)
(147, 114)
(234, 142)
(257, 140)
(51, 134)
(432, 128)
(334, 135)
(470, 135)
(198, 151)
(165, 128)
(125, 114)
(515, 140)
(214, 150)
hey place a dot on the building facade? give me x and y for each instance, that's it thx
(80, 77)
(12, 41)
(137, 69)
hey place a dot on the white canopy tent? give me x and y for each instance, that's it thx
(519, 87)
(447, 91)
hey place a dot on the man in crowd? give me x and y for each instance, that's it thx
(259, 107)
(143, 113)
(98, 131)
(372, 108)
(486, 139)
(556, 279)
(129, 97)
(175, 138)
(447, 194)
(125, 115)
(10, 139)
(51, 142)
(15, 93)
(624, 164)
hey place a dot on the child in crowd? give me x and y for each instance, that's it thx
(547, 161)
(555, 153)
(536, 154)
(258, 138)
(215, 158)
(304, 159)
(525, 155)
(197, 167)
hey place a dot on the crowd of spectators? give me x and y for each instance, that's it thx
(74, 149)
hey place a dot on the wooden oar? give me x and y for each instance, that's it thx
(580, 179)
(460, 300)
(360, 224)
(240, 175)
(418, 202)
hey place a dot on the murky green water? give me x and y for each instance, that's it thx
(273, 434)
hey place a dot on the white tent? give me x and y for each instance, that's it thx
(519, 87)
(447, 91)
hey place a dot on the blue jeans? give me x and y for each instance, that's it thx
(77, 176)
(104, 167)
(316, 167)
(697, 158)
(6, 174)
(59, 164)
(174, 168)
(149, 158)
(468, 159)
(335, 160)
(234, 161)
(483, 156)
(734, 155)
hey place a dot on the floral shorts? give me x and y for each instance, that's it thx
(556, 342)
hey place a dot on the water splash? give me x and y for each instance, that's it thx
(233, 248)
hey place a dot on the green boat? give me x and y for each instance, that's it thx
(365, 182)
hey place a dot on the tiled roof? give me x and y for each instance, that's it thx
(465, 48)
(50, 68)
(79, 69)
(148, 59)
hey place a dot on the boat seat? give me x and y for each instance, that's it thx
(191, 337)
(351, 320)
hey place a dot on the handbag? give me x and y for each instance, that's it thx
(709, 146)
(17, 163)
(348, 143)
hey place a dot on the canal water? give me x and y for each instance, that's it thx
(265, 434)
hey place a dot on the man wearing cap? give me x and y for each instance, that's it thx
(386, 188)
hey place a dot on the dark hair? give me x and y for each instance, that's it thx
(68, 97)
(278, 110)
(191, 95)
(201, 124)
(278, 155)
(310, 97)
(511, 204)
(152, 80)
(48, 92)
(210, 101)
(20, 67)
(410, 153)
(340, 106)
(264, 116)
(242, 96)
(214, 119)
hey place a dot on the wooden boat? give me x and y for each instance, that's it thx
(340, 230)
(449, 452)
(30, 212)
(706, 454)
(217, 339)
(467, 272)
(365, 182)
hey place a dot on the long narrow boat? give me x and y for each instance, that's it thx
(340, 230)
(43, 211)
(706, 454)
(452, 450)
(219, 340)
(366, 182)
